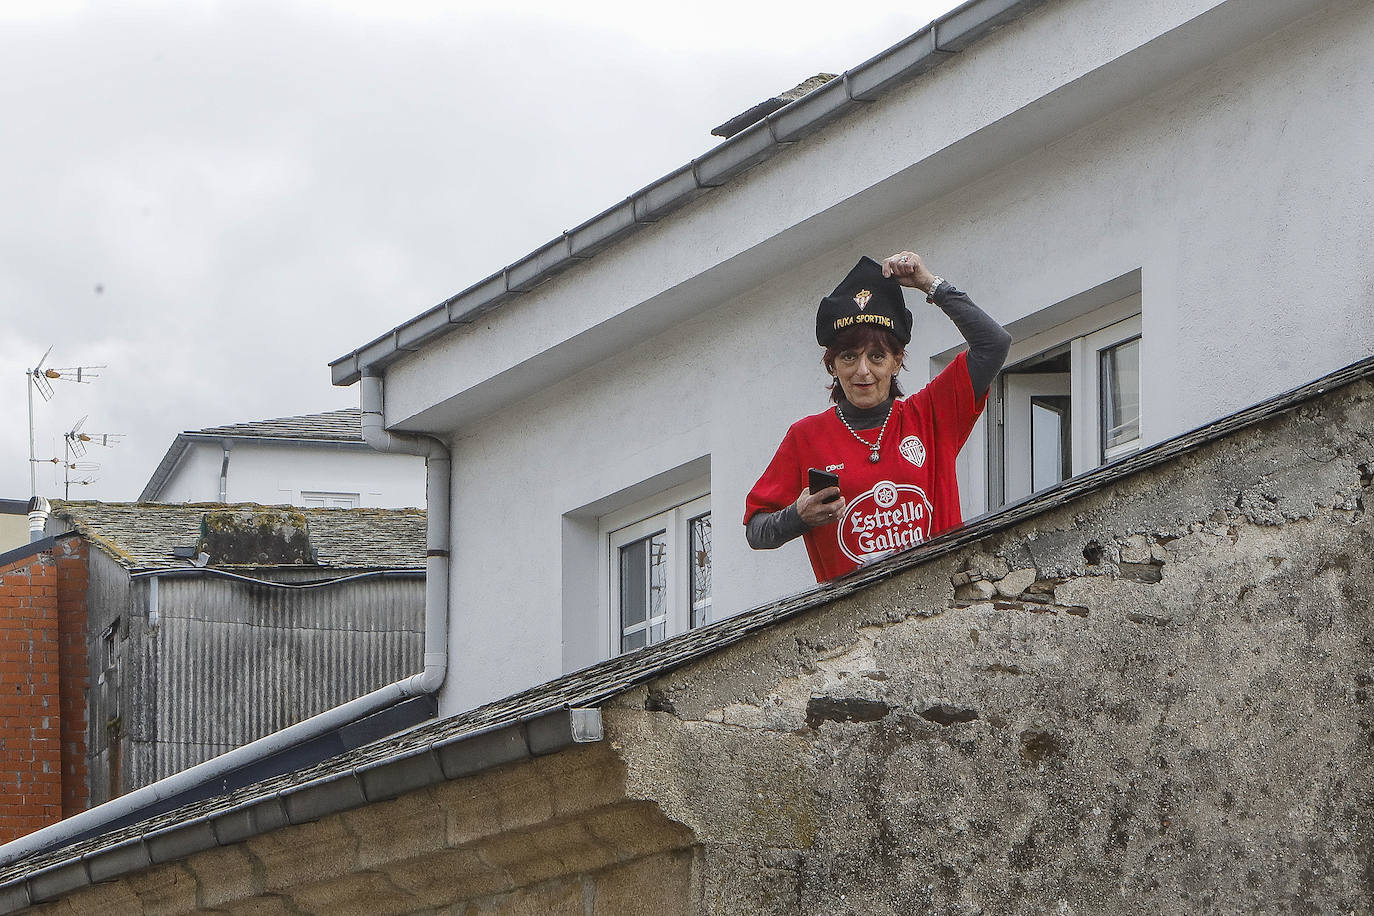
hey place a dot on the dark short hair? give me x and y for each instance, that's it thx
(862, 337)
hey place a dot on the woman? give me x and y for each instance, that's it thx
(894, 456)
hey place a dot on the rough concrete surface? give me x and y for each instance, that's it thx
(1154, 700)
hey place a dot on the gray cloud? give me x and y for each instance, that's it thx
(217, 199)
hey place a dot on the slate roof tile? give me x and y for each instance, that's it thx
(343, 425)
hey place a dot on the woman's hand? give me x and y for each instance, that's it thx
(816, 511)
(909, 270)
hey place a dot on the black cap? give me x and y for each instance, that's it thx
(864, 297)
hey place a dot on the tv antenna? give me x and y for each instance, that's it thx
(76, 440)
(40, 379)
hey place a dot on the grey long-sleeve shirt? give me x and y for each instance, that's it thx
(988, 343)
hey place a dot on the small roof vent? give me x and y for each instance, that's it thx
(763, 109)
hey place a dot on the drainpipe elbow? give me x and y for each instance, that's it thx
(429, 680)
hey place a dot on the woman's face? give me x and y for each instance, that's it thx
(866, 373)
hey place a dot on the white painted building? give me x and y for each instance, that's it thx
(1182, 186)
(317, 460)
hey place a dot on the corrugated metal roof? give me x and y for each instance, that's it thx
(344, 425)
(142, 536)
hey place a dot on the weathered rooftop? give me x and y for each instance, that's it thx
(413, 759)
(142, 536)
(344, 425)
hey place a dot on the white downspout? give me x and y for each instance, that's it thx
(226, 445)
(438, 473)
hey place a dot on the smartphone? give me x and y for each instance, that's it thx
(816, 481)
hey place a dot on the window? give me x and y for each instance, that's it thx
(1067, 402)
(1119, 384)
(322, 500)
(660, 575)
(109, 644)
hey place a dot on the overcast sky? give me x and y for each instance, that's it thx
(215, 199)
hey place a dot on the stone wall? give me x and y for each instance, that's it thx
(1151, 699)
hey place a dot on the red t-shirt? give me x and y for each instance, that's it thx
(908, 497)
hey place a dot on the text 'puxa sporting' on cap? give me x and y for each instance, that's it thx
(864, 297)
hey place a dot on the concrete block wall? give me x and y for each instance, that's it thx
(42, 689)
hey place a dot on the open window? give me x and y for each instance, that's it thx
(660, 575)
(637, 565)
(1067, 401)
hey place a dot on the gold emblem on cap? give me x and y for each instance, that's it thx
(861, 298)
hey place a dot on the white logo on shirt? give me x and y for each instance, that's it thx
(912, 450)
(834, 467)
(891, 516)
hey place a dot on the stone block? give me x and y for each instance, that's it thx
(1015, 582)
(980, 590)
(366, 893)
(985, 566)
(225, 874)
(662, 884)
(564, 897)
(403, 828)
(164, 889)
(305, 853)
(1135, 549)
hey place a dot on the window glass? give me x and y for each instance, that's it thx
(1066, 408)
(699, 574)
(643, 590)
(1120, 385)
(1050, 448)
(659, 573)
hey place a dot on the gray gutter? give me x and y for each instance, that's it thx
(415, 768)
(189, 572)
(869, 81)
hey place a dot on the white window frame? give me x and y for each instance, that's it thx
(330, 499)
(1087, 336)
(669, 512)
(1085, 354)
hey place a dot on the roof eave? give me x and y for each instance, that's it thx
(164, 469)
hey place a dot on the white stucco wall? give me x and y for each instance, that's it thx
(1234, 177)
(277, 475)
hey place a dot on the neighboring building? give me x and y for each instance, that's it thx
(317, 461)
(43, 680)
(1167, 204)
(203, 627)
(189, 661)
(1144, 691)
(14, 523)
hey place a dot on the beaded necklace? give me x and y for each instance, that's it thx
(873, 447)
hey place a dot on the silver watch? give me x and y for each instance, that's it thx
(930, 296)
